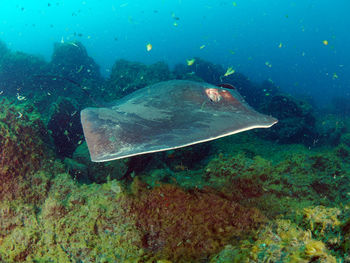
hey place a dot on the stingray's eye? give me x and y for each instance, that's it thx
(213, 94)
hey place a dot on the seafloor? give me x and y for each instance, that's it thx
(275, 195)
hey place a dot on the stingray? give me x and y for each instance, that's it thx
(167, 115)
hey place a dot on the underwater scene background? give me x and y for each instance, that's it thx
(272, 195)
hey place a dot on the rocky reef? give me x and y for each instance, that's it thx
(127, 77)
(280, 195)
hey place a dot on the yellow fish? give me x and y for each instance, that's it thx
(325, 42)
(229, 72)
(149, 47)
(280, 45)
(268, 64)
(202, 46)
(190, 61)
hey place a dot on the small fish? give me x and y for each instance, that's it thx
(80, 69)
(335, 76)
(229, 72)
(280, 45)
(149, 47)
(325, 42)
(202, 46)
(190, 61)
(73, 44)
(268, 64)
(19, 97)
(175, 24)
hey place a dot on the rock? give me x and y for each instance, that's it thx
(296, 122)
(98, 172)
(127, 77)
(72, 61)
(65, 127)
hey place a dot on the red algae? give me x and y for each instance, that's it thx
(22, 148)
(188, 225)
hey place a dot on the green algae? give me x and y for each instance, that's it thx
(75, 222)
(279, 241)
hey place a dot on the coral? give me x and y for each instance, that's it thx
(188, 225)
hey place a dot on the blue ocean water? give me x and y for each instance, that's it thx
(302, 46)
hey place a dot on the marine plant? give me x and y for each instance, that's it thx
(188, 225)
(278, 241)
(22, 149)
